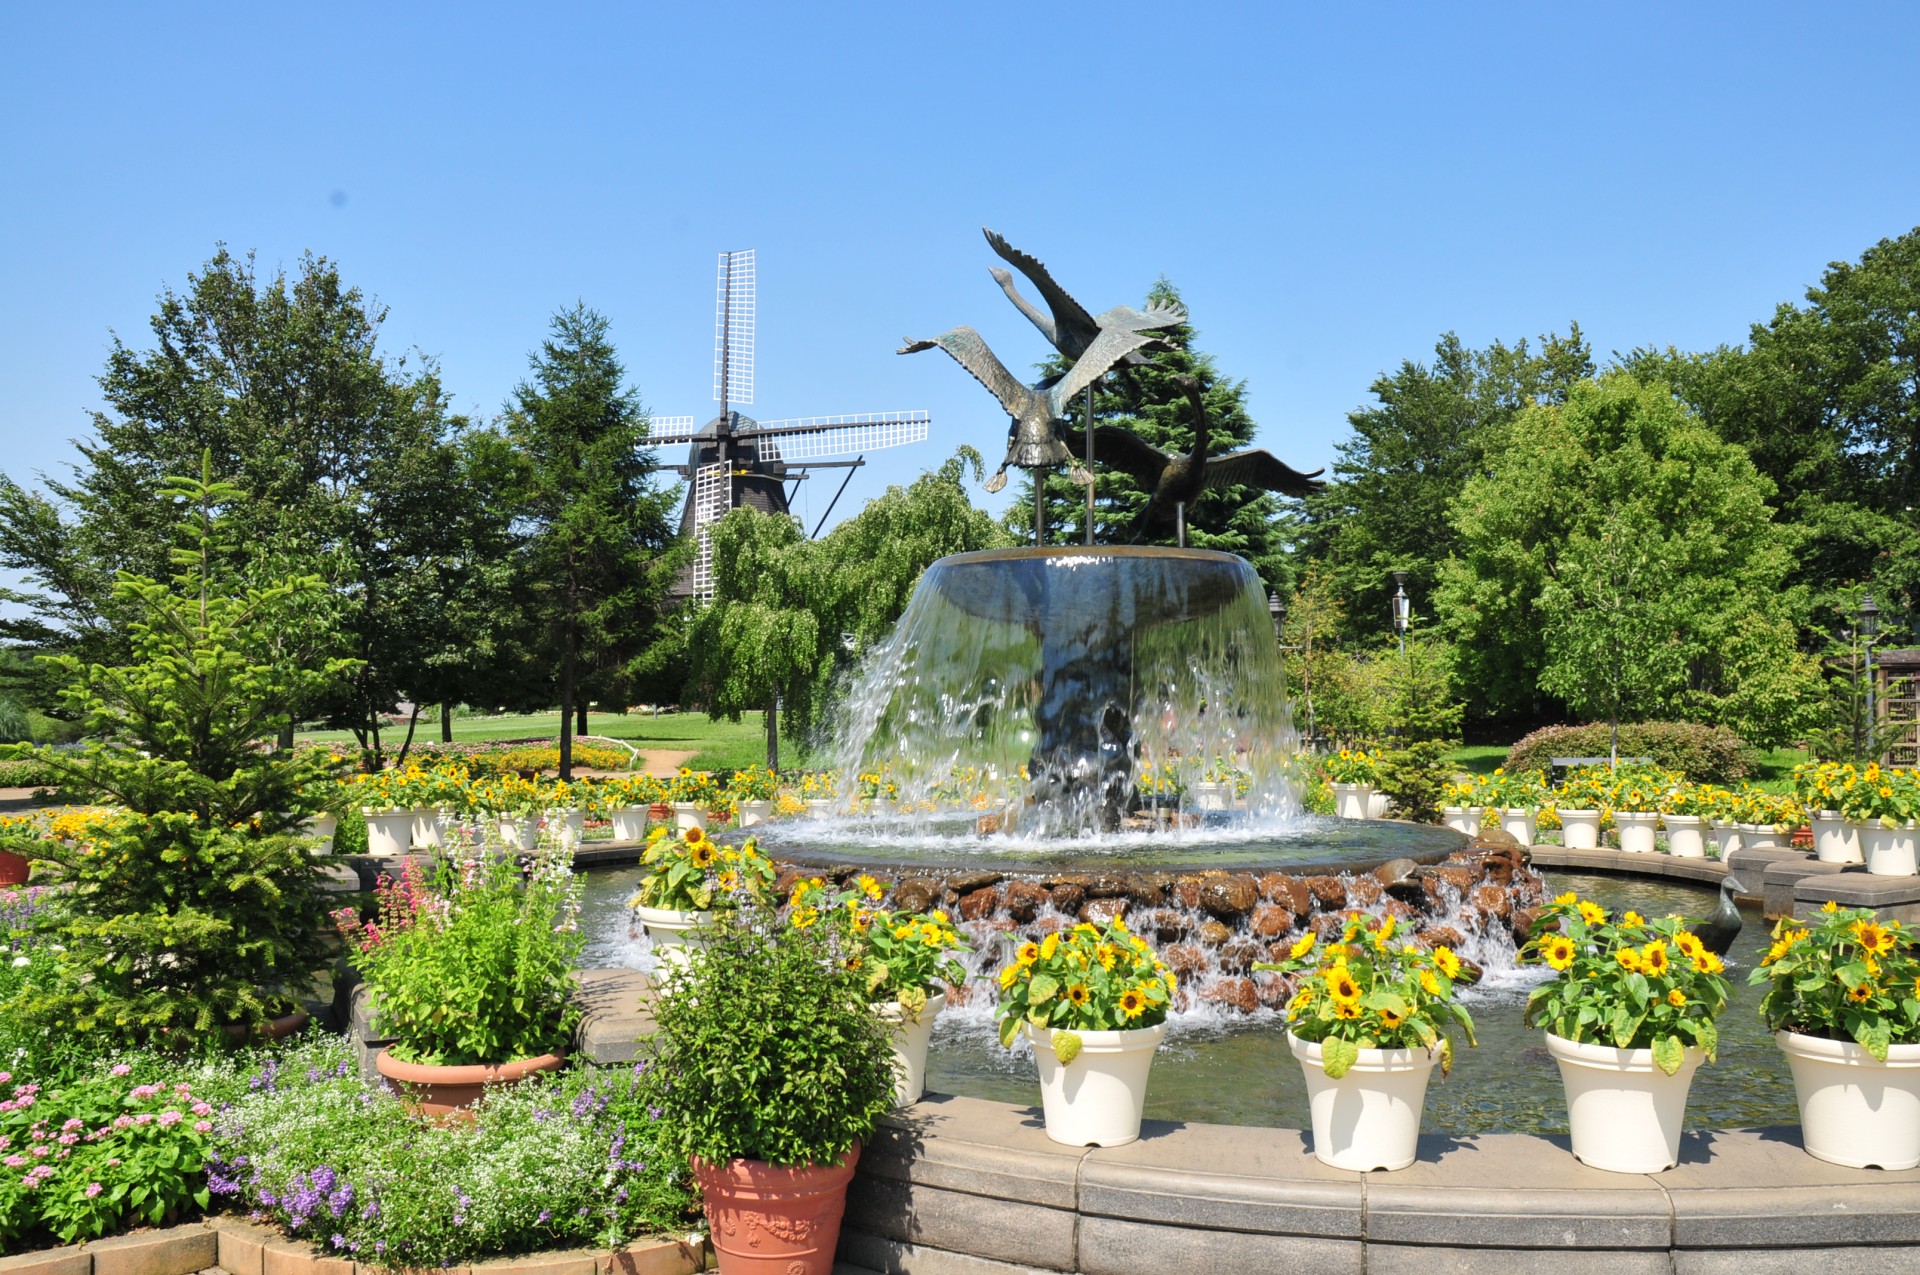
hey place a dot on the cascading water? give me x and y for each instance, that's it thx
(1069, 688)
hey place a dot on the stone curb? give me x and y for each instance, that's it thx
(959, 1186)
(245, 1248)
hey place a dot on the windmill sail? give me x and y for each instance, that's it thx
(733, 322)
(804, 438)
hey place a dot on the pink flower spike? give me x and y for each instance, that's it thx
(203, 1126)
(120, 1069)
(93, 1189)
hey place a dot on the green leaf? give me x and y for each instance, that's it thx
(1668, 1053)
(1066, 1046)
(1337, 1055)
(1041, 989)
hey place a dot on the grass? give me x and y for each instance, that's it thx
(716, 744)
(1773, 773)
(1477, 759)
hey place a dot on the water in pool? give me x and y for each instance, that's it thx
(1226, 1068)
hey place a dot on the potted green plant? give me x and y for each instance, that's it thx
(1637, 794)
(1841, 1002)
(907, 959)
(1629, 1015)
(1580, 801)
(692, 794)
(1518, 798)
(1884, 804)
(1818, 785)
(689, 877)
(1093, 1002)
(768, 1072)
(1369, 1020)
(750, 793)
(471, 972)
(1685, 808)
(1461, 808)
(1354, 774)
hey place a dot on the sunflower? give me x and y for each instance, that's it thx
(729, 880)
(1344, 1009)
(1558, 951)
(1860, 995)
(1449, 963)
(1028, 952)
(1430, 983)
(1592, 913)
(1107, 954)
(1708, 963)
(1009, 974)
(1132, 1002)
(1873, 938)
(1629, 960)
(1779, 949)
(1830, 906)
(1677, 998)
(1341, 987)
(1078, 994)
(1689, 944)
(1385, 932)
(869, 887)
(803, 917)
(1632, 918)
(1566, 900)
(1050, 946)
(1390, 1017)
(1301, 946)
(702, 855)
(694, 835)
(1653, 958)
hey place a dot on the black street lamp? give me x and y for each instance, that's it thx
(1870, 629)
(1402, 608)
(1278, 610)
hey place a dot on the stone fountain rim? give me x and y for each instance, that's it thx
(1093, 552)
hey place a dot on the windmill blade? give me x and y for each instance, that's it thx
(733, 315)
(712, 498)
(805, 438)
(663, 431)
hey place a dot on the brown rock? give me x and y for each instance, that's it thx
(1363, 892)
(1329, 893)
(1185, 959)
(976, 905)
(1523, 920)
(785, 879)
(1067, 898)
(1049, 924)
(1274, 990)
(1169, 925)
(958, 994)
(1213, 934)
(1023, 899)
(1395, 870)
(1102, 911)
(988, 825)
(1494, 839)
(1238, 955)
(1107, 886)
(915, 894)
(1439, 936)
(1327, 925)
(1185, 891)
(1400, 911)
(1148, 889)
(1290, 893)
(1229, 897)
(1270, 921)
(1492, 900)
(962, 882)
(1238, 993)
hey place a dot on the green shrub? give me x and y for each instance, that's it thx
(14, 726)
(21, 767)
(1416, 777)
(1711, 754)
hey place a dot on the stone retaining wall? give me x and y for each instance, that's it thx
(242, 1248)
(957, 1186)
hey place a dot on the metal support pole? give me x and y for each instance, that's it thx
(1180, 523)
(1039, 508)
(1089, 466)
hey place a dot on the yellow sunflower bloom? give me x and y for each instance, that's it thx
(1429, 982)
(693, 836)
(1629, 960)
(1340, 985)
(1592, 913)
(1632, 918)
(1050, 946)
(1873, 938)
(1653, 958)
(1009, 974)
(1861, 994)
(1346, 1009)
(1390, 1019)
(1301, 947)
(1830, 906)
(1677, 998)
(1448, 963)
(702, 854)
(1078, 994)
(1567, 900)
(1132, 1002)
(1558, 951)
(1028, 952)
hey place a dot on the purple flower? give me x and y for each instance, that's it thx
(339, 1241)
(545, 1216)
(339, 1200)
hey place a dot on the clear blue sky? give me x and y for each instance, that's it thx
(1330, 186)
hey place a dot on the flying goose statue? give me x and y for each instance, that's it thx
(1174, 482)
(1069, 328)
(1034, 440)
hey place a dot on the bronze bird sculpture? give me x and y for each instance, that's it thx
(1034, 440)
(1070, 329)
(1174, 482)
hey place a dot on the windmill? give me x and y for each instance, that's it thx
(735, 460)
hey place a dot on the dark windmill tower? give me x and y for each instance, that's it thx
(735, 460)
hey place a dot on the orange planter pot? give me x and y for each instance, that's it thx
(14, 869)
(441, 1091)
(276, 1029)
(768, 1220)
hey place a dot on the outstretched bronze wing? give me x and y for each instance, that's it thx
(1260, 469)
(1123, 450)
(1066, 311)
(971, 353)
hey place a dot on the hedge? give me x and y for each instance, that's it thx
(1712, 754)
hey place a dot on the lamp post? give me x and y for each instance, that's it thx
(1402, 609)
(1870, 629)
(1278, 610)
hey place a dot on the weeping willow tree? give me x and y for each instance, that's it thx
(788, 612)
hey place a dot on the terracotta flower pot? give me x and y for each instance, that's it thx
(440, 1091)
(769, 1220)
(278, 1029)
(14, 868)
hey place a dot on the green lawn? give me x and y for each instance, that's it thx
(716, 744)
(1478, 759)
(1776, 767)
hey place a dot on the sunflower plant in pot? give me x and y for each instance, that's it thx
(1093, 1002)
(470, 972)
(1843, 999)
(1369, 1020)
(769, 1071)
(690, 876)
(907, 959)
(1629, 1015)
(1354, 774)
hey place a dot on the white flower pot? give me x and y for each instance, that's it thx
(819, 807)
(1854, 1109)
(1726, 838)
(1211, 796)
(320, 829)
(1096, 1099)
(910, 1037)
(755, 812)
(1834, 839)
(629, 823)
(519, 834)
(1463, 819)
(429, 828)
(1625, 1114)
(1350, 800)
(389, 832)
(688, 815)
(668, 930)
(1519, 820)
(1686, 836)
(1370, 1117)
(1376, 805)
(1636, 829)
(572, 824)
(1580, 829)
(1890, 851)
